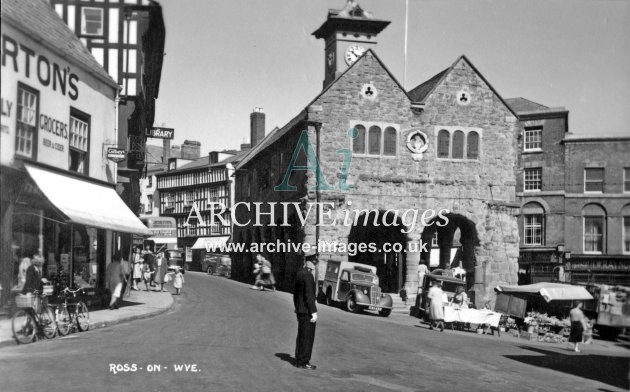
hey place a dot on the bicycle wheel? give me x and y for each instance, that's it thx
(64, 322)
(83, 316)
(23, 326)
(47, 322)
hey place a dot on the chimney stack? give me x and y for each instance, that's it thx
(213, 157)
(257, 126)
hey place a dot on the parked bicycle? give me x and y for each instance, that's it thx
(33, 318)
(71, 315)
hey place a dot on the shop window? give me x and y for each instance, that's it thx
(26, 128)
(533, 179)
(533, 139)
(374, 140)
(626, 179)
(472, 151)
(389, 142)
(92, 21)
(594, 179)
(444, 140)
(149, 204)
(458, 145)
(79, 142)
(358, 143)
(594, 221)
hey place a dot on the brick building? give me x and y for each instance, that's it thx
(575, 200)
(450, 143)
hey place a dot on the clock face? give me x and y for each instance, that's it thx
(353, 53)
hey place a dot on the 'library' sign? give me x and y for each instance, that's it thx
(160, 133)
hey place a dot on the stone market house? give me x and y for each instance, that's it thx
(449, 143)
(58, 187)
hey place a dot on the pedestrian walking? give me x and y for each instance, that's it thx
(137, 268)
(160, 270)
(125, 265)
(576, 316)
(178, 280)
(147, 274)
(436, 306)
(264, 275)
(306, 312)
(114, 277)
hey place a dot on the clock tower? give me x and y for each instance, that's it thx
(348, 33)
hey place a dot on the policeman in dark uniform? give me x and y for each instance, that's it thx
(306, 311)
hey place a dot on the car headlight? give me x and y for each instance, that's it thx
(365, 291)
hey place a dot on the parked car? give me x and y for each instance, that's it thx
(449, 286)
(217, 264)
(356, 286)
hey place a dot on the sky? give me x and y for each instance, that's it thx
(225, 57)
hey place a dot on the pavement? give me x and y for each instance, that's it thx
(138, 305)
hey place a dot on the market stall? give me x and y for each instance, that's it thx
(541, 307)
(471, 316)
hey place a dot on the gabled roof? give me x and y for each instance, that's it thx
(521, 104)
(37, 18)
(420, 93)
(303, 115)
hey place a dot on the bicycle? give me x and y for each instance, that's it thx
(34, 317)
(77, 317)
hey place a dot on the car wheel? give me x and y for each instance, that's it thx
(385, 312)
(351, 305)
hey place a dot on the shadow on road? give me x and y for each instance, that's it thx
(286, 357)
(606, 369)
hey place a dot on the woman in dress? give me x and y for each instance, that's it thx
(577, 326)
(436, 306)
(137, 268)
(161, 270)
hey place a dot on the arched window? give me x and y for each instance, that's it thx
(594, 224)
(443, 144)
(358, 144)
(374, 140)
(472, 152)
(458, 145)
(533, 224)
(389, 143)
(625, 213)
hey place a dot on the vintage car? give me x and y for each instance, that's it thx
(356, 286)
(217, 264)
(449, 285)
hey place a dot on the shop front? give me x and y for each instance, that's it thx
(75, 224)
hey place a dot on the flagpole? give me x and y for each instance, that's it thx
(405, 50)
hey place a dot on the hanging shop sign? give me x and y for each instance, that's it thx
(115, 154)
(160, 133)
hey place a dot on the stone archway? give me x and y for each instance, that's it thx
(468, 238)
(389, 258)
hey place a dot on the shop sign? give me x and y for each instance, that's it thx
(115, 154)
(160, 133)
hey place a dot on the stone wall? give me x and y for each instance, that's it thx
(481, 190)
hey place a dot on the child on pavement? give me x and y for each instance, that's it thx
(178, 280)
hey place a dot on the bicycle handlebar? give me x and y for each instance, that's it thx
(67, 290)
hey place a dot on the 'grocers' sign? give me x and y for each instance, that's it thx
(160, 133)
